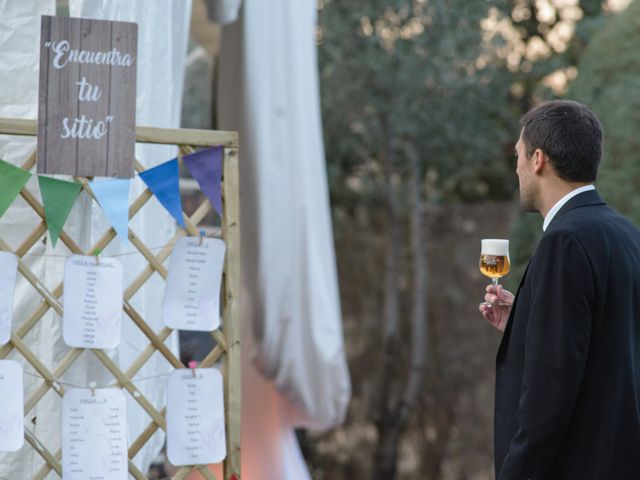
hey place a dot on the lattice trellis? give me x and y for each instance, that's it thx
(227, 338)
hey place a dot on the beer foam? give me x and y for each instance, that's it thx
(493, 246)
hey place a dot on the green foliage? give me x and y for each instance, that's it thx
(609, 82)
(446, 89)
(418, 72)
(604, 49)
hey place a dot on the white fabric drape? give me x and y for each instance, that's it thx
(162, 44)
(269, 92)
(290, 306)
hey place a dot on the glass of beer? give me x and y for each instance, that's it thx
(494, 262)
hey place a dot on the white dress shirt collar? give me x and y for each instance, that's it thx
(554, 210)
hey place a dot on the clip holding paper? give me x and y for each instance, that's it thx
(202, 235)
(192, 366)
(97, 253)
(92, 386)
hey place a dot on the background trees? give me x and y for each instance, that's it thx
(421, 101)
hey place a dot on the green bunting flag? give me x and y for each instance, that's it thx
(12, 179)
(58, 197)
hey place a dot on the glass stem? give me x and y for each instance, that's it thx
(494, 281)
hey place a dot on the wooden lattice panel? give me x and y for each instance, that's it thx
(227, 338)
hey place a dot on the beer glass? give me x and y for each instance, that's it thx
(494, 262)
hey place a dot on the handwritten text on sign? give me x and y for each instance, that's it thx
(86, 121)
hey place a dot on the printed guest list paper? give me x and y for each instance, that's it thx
(94, 434)
(93, 293)
(8, 269)
(11, 406)
(195, 417)
(192, 292)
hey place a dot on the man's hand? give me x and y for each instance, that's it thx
(497, 315)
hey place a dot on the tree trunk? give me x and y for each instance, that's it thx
(392, 419)
(419, 307)
(386, 456)
(384, 460)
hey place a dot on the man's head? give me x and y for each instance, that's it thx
(560, 141)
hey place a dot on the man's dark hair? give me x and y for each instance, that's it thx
(569, 134)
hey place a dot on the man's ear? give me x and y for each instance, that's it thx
(539, 161)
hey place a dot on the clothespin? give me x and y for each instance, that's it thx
(92, 386)
(97, 253)
(192, 366)
(202, 235)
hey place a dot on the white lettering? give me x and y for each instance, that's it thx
(88, 92)
(59, 48)
(83, 128)
(73, 56)
(64, 54)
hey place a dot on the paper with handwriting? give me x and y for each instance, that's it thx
(192, 292)
(94, 434)
(93, 296)
(195, 417)
(11, 406)
(8, 270)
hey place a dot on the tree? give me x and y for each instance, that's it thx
(602, 58)
(609, 81)
(409, 87)
(420, 102)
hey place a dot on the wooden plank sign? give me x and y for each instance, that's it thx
(87, 97)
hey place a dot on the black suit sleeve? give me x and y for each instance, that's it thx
(556, 346)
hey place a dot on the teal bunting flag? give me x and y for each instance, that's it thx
(58, 197)
(12, 179)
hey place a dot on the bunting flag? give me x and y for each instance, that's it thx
(206, 167)
(113, 197)
(12, 179)
(58, 197)
(163, 182)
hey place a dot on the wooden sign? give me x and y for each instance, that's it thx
(87, 104)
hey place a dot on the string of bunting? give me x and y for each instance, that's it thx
(59, 196)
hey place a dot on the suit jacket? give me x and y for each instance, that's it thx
(568, 368)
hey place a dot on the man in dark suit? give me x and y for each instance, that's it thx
(567, 403)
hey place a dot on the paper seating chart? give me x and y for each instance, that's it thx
(195, 417)
(93, 295)
(192, 291)
(94, 434)
(8, 270)
(11, 406)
